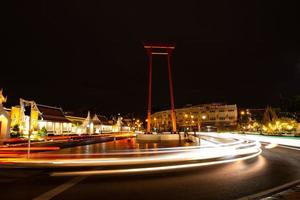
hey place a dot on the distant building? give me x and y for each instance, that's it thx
(101, 124)
(97, 124)
(76, 122)
(194, 117)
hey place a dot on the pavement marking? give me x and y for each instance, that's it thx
(59, 189)
(271, 191)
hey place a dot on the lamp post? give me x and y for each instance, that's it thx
(29, 134)
(203, 117)
(192, 120)
(186, 122)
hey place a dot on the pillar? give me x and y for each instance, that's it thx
(173, 116)
(149, 51)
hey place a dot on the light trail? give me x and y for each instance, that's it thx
(139, 152)
(151, 169)
(49, 148)
(271, 146)
(288, 141)
(154, 156)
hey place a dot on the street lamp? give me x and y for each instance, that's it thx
(203, 117)
(155, 123)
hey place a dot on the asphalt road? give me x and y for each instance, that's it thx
(273, 167)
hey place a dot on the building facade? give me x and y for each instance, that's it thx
(91, 125)
(4, 119)
(29, 116)
(195, 118)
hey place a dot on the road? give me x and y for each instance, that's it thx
(272, 168)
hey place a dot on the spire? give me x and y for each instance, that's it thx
(88, 116)
(2, 98)
(87, 120)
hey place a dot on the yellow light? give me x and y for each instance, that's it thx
(203, 117)
(192, 116)
(289, 127)
(242, 112)
(185, 115)
(264, 128)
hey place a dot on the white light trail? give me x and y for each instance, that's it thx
(154, 156)
(151, 169)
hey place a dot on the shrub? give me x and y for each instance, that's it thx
(15, 133)
(42, 132)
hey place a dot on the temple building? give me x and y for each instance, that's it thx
(101, 124)
(91, 125)
(53, 119)
(30, 116)
(4, 119)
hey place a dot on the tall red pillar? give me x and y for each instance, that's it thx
(149, 52)
(173, 116)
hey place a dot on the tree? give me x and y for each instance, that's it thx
(15, 133)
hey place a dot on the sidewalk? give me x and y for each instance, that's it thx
(289, 194)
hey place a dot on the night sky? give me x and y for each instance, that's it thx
(84, 55)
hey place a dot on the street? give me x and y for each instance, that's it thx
(272, 168)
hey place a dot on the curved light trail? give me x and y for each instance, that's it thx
(151, 169)
(131, 161)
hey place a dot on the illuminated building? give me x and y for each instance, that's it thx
(97, 124)
(53, 119)
(194, 117)
(30, 116)
(101, 124)
(4, 119)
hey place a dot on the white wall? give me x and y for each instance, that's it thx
(5, 123)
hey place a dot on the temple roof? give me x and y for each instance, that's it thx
(96, 120)
(54, 114)
(99, 119)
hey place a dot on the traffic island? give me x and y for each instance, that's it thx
(161, 137)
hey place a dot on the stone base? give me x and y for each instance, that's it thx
(162, 137)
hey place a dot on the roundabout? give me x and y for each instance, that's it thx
(223, 166)
(213, 149)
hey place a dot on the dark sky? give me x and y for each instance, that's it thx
(89, 55)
